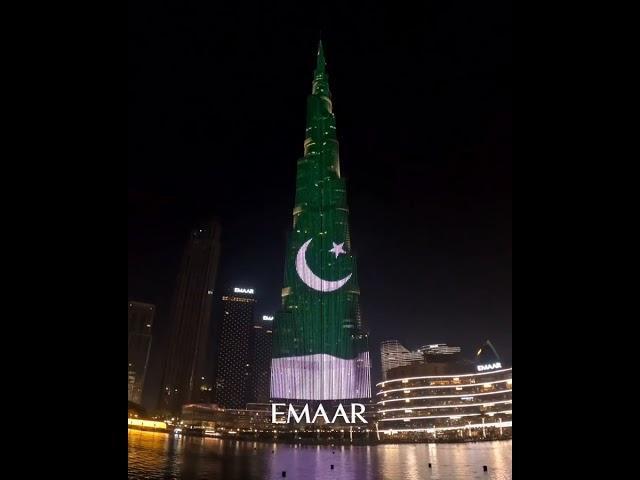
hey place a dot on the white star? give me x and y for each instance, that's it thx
(337, 249)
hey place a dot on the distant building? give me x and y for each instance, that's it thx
(445, 401)
(232, 388)
(190, 318)
(393, 354)
(255, 419)
(214, 418)
(439, 352)
(140, 320)
(260, 373)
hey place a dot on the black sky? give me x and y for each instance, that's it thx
(217, 97)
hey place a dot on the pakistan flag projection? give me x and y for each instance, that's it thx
(320, 349)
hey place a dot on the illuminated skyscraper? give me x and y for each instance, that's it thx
(140, 319)
(232, 388)
(320, 349)
(190, 318)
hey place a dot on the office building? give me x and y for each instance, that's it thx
(140, 319)
(232, 388)
(190, 319)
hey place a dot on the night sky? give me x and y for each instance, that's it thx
(423, 104)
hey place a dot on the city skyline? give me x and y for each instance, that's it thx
(438, 178)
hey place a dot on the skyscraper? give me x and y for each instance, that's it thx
(320, 349)
(261, 359)
(393, 354)
(232, 386)
(190, 318)
(140, 319)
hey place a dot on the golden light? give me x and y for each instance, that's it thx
(138, 422)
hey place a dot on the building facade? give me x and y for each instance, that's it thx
(439, 352)
(446, 401)
(320, 349)
(140, 320)
(232, 388)
(190, 319)
(262, 343)
(393, 354)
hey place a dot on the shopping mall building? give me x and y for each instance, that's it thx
(449, 401)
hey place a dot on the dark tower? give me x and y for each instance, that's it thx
(190, 319)
(261, 359)
(232, 387)
(140, 322)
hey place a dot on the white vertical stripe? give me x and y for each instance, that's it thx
(320, 377)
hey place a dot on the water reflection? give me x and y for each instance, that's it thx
(160, 456)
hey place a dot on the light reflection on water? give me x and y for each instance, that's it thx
(160, 456)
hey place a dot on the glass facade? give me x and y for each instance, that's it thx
(232, 385)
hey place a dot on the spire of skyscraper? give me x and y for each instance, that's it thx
(320, 77)
(320, 64)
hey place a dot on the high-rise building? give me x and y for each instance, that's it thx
(393, 354)
(232, 385)
(190, 318)
(261, 359)
(140, 322)
(440, 352)
(320, 349)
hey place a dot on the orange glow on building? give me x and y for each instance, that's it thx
(138, 422)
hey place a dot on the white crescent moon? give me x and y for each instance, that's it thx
(311, 279)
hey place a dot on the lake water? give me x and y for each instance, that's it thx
(161, 456)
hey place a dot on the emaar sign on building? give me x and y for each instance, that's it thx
(243, 290)
(490, 366)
